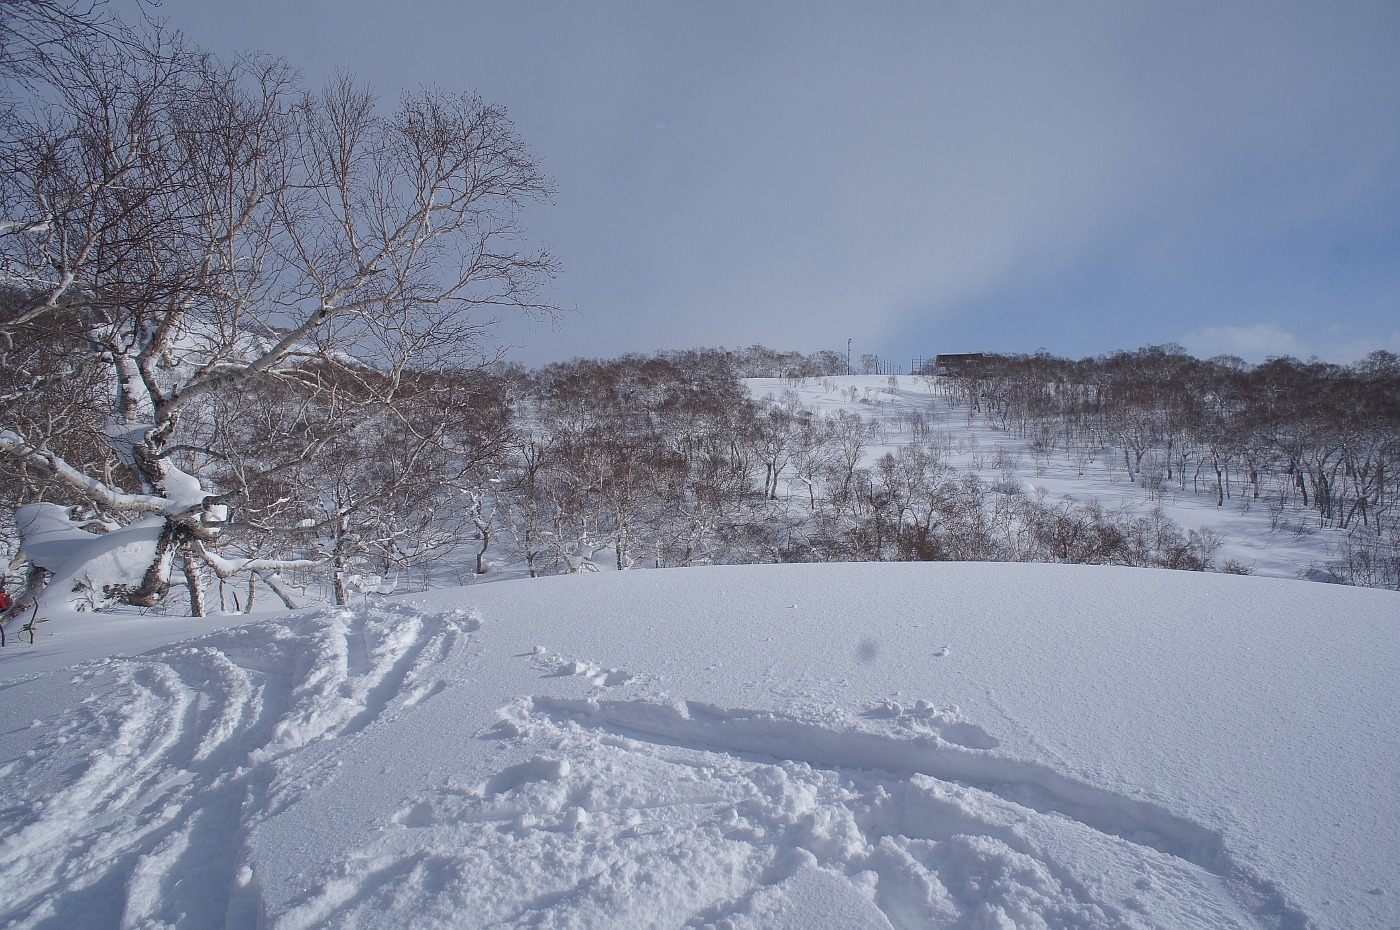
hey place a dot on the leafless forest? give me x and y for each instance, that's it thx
(260, 314)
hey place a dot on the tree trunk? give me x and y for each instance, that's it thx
(192, 580)
(481, 553)
(34, 583)
(338, 579)
(156, 582)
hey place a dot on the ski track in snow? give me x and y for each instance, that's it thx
(194, 745)
(639, 813)
(630, 809)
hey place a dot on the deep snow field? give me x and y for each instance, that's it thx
(799, 746)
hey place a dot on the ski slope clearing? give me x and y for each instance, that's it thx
(1283, 542)
(858, 745)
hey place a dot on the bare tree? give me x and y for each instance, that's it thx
(773, 436)
(39, 38)
(195, 228)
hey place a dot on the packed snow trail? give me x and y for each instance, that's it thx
(173, 755)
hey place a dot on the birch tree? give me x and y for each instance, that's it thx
(193, 227)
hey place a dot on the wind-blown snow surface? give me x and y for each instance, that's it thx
(912, 745)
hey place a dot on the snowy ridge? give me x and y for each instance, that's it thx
(189, 745)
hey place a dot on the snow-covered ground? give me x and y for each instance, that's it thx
(859, 745)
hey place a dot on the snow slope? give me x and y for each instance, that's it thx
(1278, 542)
(859, 745)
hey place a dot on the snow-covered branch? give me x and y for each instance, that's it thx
(97, 492)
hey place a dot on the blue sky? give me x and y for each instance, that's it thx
(920, 177)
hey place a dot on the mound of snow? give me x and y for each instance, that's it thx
(776, 746)
(84, 564)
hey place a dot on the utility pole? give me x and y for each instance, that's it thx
(848, 354)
